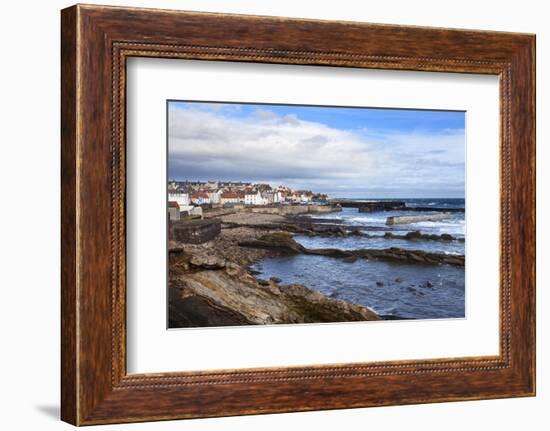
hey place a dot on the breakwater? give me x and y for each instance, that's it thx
(416, 218)
(393, 205)
(368, 206)
(294, 209)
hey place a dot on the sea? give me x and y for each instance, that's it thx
(394, 290)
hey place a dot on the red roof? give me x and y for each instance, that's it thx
(198, 195)
(229, 195)
(173, 204)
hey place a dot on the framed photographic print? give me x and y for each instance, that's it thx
(266, 215)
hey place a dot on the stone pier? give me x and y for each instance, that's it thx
(371, 206)
(416, 219)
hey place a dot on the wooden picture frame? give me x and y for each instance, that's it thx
(95, 43)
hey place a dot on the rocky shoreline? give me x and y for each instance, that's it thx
(211, 284)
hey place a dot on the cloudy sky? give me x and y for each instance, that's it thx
(345, 152)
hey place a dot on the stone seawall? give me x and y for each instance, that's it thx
(415, 219)
(370, 206)
(294, 209)
(194, 231)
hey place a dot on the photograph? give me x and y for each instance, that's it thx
(289, 214)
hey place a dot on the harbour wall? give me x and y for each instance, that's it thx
(294, 209)
(194, 231)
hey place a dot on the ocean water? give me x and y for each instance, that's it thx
(394, 290)
(454, 226)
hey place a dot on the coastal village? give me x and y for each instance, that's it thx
(189, 199)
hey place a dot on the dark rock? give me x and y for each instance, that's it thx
(263, 282)
(429, 284)
(398, 280)
(275, 279)
(379, 283)
(413, 235)
(393, 317)
(350, 259)
(281, 241)
(175, 250)
(332, 252)
(417, 235)
(416, 257)
(284, 243)
(297, 229)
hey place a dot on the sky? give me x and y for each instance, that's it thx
(344, 152)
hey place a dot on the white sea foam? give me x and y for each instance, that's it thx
(452, 227)
(367, 219)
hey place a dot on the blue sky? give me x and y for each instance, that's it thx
(346, 152)
(404, 120)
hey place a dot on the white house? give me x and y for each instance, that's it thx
(306, 197)
(241, 195)
(295, 197)
(254, 198)
(181, 198)
(215, 196)
(212, 185)
(271, 197)
(173, 210)
(229, 198)
(200, 198)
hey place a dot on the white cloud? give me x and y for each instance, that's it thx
(286, 149)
